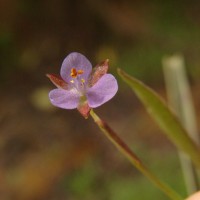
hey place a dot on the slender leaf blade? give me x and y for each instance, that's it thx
(165, 118)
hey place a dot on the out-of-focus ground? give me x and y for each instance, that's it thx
(55, 154)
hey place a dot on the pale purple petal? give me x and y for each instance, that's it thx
(77, 61)
(102, 91)
(67, 99)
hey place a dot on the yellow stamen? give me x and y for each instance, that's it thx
(75, 72)
(80, 71)
(82, 80)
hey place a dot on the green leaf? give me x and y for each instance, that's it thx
(165, 118)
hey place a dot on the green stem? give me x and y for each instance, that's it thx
(132, 157)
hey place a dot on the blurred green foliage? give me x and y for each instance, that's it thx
(141, 35)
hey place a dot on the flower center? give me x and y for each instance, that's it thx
(77, 81)
(75, 73)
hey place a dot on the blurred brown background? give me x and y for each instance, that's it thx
(54, 154)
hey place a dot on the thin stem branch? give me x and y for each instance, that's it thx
(133, 158)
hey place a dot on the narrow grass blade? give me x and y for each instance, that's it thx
(165, 118)
(180, 100)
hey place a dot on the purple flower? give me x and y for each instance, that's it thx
(81, 87)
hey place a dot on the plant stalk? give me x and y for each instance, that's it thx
(133, 158)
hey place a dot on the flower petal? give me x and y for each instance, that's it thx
(77, 61)
(102, 91)
(67, 99)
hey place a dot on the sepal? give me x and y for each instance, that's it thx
(84, 109)
(57, 81)
(98, 72)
